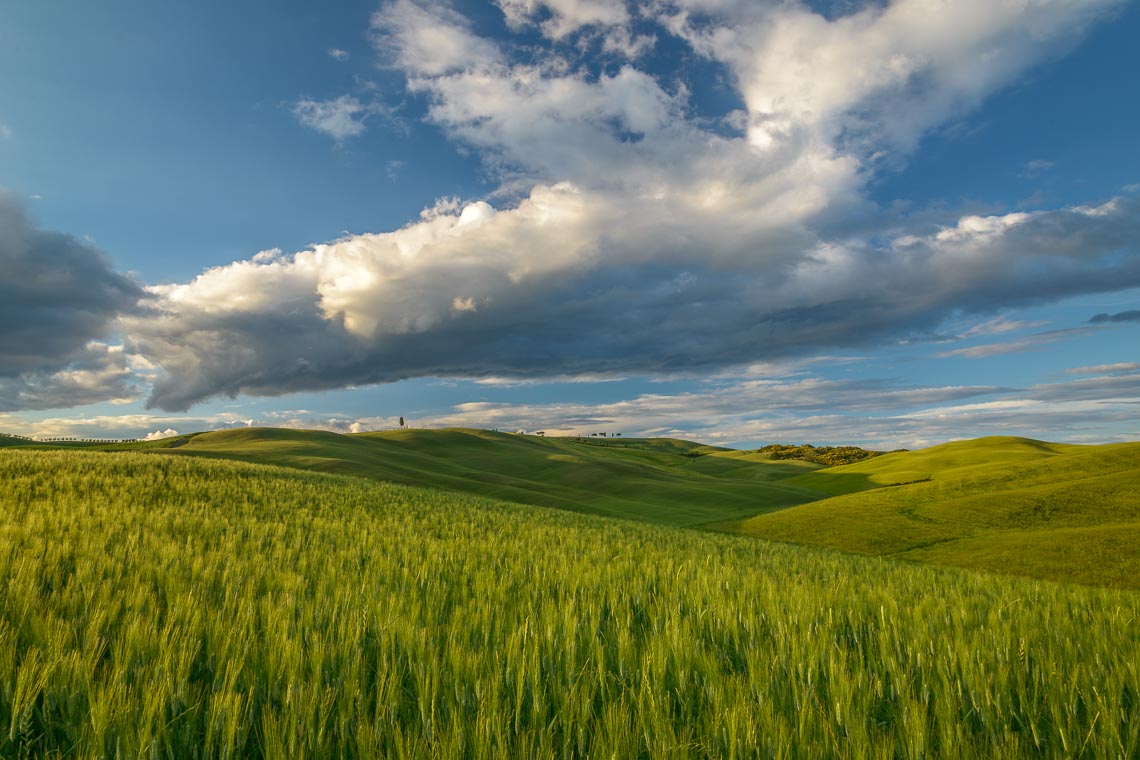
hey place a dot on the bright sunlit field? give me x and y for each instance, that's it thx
(179, 607)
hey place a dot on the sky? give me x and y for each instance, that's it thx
(889, 224)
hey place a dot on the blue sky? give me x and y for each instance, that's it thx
(891, 224)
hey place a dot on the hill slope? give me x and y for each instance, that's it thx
(656, 481)
(1073, 514)
(1010, 505)
(945, 462)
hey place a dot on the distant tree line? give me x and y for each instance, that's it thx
(828, 455)
(68, 439)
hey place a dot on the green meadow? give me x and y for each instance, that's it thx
(1002, 504)
(949, 461)
(413, 594)
(1010, 505)
(663, 481)
(174, 606)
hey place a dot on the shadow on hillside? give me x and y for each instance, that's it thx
(840, 483)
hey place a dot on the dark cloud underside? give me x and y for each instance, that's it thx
(56, 294)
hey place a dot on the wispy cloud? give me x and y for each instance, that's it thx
(1120, 316)
(1000, 325)
(1011, 347)
(871, 413)
(1105, 369)
(340, 118)
(876, 413)
(393, 168)
(514, 382)
(1036, 168)
(338, 54)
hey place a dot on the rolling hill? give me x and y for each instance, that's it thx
(664, 481)
(1068, 513)
(945, 462)
(1012, 505)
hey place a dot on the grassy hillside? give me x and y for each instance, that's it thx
(945, 462)
(1069, 513)
(173, 606)
(1010, 505)
(660, 445)
(654, 480)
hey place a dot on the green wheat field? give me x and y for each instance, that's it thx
(467, 594)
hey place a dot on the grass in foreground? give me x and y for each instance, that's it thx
(1071, 514)
(160, 605)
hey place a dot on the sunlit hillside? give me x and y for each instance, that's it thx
(650, 479)
(1069, 513)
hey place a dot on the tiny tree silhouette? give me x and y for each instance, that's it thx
(401, 423)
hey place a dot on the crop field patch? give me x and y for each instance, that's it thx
(184, 607)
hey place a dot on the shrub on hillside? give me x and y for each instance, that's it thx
(826, 455)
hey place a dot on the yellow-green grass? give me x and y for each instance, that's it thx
(653, 480)
(1009, 505)
(1070, 516)
(661, 445)
(180, 607)
(944, 462)
(744, 464)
